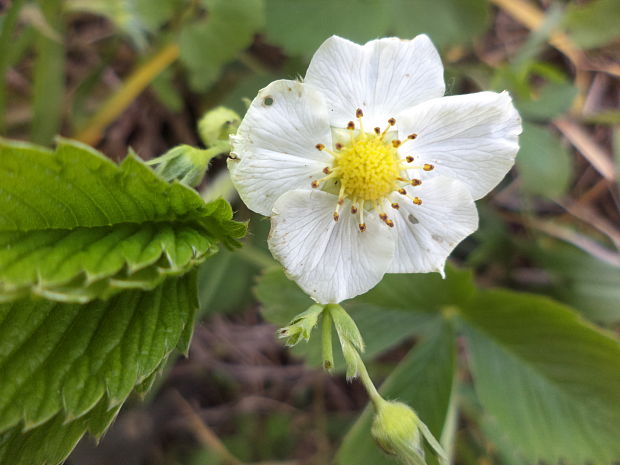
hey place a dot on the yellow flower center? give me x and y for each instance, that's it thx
(368, 167)
(370, 171)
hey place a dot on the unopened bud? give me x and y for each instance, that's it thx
(395, 428)
(217, 124)
(184, 163)
(300, 327)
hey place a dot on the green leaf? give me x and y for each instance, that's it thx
(299, 26)
(74, 226)
(550, 380)
(424, 379)
(49, 74)
(229, 29)
(544, 163)
(593, 24)
(51, 442)
(447, 22)
(553, 99)
(586, 283)
(66, 357)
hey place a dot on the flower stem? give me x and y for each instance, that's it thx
(374, 395)
(326, 340)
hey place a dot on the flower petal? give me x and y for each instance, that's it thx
(473, 138)
(274, 150)
(331, 261)
(382, 77)
(427, 233)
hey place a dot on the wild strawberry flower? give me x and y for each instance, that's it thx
(366, 168)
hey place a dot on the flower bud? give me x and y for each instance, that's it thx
(300, 327)
(396, 430)
(216, 125)
(184, 163)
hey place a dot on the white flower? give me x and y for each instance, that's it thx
(365, 168)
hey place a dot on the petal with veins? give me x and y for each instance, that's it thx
(331, 261)
(427, 233)
(382, 77)
(274, 150)
(473, 138)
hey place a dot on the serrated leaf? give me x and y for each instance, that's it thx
(74, 226)
(67, 357)
(424, 379)
(208, 45)
(52, 441)
(550, 380)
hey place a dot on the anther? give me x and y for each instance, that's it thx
(336, 216)
(338, 146)
(340, 200)
(383, 216)
(391, 121)
(417, 200)
(314, 184)
(353, 209)
(319, 146)
(412, 136)
(350, 125)
(377, 130)
(359, 113)
(362, 227)
(409, 159)
(402, 191)
(396, 143)
(395, 206)
(326, 170)
(416, 182)
(428, 167)
(390, 223)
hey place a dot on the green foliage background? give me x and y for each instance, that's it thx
(105, 267)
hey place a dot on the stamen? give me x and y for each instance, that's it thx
(396, 143)
(319, 146)
(338, 146)
(359, 113)
(416, 182)
(362, 225)
(317, 182)
(383, 216)
(377, 130)
(416, 200)
(402, 191)
(428, 167)
(409, 159)
(350, 125)
(395, 206)
(326, 170)
(353, 209)
(336, 216)
(412, 136)
(392, 121)
(390, 223)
